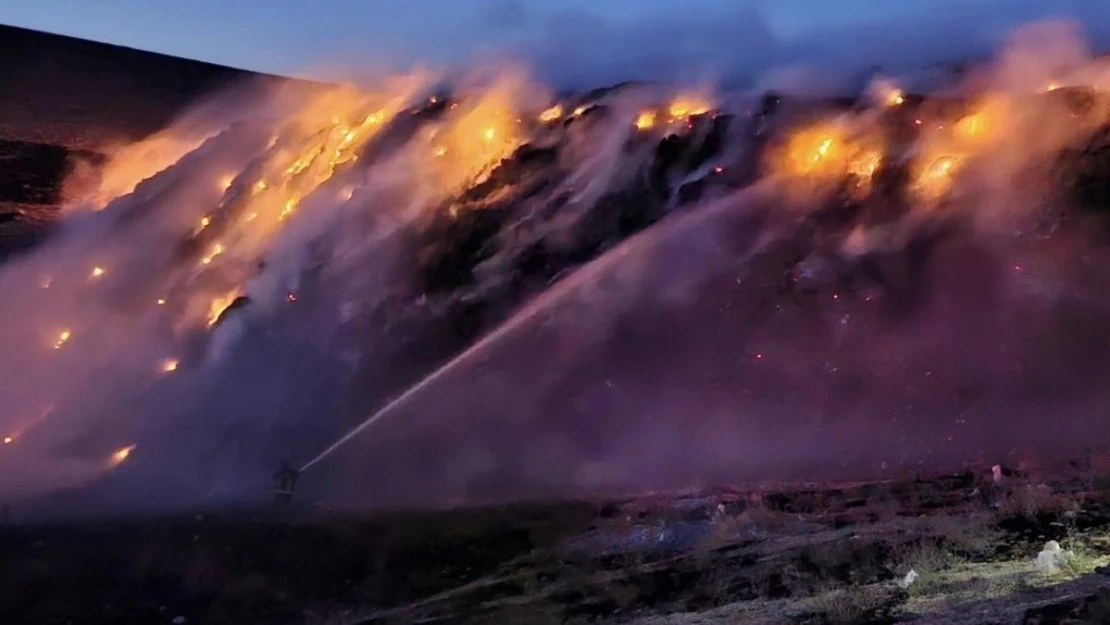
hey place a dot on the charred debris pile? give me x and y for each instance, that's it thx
(680, 160)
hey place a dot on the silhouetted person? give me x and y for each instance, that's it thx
(285, 480)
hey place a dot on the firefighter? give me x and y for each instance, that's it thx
(285, 481)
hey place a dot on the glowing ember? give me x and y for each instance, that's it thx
(121, 454)
(865, 165)
(942, 166)
(823, 149)
(936, 179)
(169, 365)
(217, 249)
(63, 338)
(96, 272)
(1051, 86)
(296, 168)
(205, 222)
(687, 106)
(552, 114)
(219, 305)
(287, 210)
(827, 153)
(8, 440)
(489, 134)
(225, 183)
(645, 120)
(971, 126)
(578, 111)
(260, 186)
(440, 152)
(161, 302)
(291, 297)
(814, 151)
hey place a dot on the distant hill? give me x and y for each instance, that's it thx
(62, 97)
(79, 94)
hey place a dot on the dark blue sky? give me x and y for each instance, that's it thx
(307, 36)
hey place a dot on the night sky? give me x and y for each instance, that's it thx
(312, 37)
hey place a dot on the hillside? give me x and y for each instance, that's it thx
(80, 94)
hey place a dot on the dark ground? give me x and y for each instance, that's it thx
(799, 555)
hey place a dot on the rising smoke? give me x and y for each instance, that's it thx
(501, 294)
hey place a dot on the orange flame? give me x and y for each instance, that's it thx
(63, 338)
(552, 114)
(120, 455)
(219, 305)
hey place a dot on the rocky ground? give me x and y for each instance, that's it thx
(801, 554)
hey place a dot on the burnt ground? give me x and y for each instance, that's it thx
(766, 555)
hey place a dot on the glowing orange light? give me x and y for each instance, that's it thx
(865, 165)
(169, 365)
(645, 120)
(942, 166)
(63, 338)
(122, 454)
(8, 440)
(687, 106)
(219, 305)
(161, 302)
(971, 127)
(96, 272)
(552, 114)
(217, 249)
(290, 206)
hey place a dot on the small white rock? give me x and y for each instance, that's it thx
(905, 582)
(1051, 558)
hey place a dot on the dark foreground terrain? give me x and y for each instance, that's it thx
(769, 555)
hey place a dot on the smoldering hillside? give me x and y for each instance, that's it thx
(427, 294)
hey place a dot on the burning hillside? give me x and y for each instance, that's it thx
(484, 290)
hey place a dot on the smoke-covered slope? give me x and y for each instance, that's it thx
(423, 294)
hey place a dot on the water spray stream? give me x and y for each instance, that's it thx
(739, 204)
